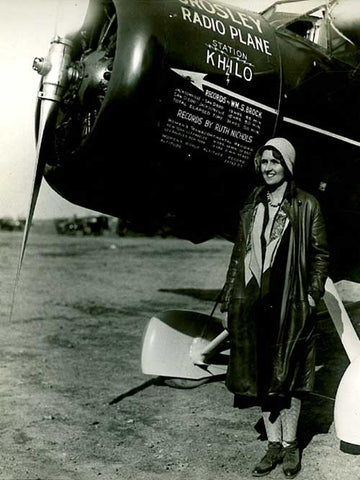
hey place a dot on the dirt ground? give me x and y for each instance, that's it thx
(74, 401)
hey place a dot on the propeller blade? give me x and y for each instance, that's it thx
(48, 110)
(47, 117)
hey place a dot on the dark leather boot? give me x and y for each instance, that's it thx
(292, 460)
(273, 456)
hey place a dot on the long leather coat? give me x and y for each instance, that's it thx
(306, 271)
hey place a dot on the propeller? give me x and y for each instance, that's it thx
(54, 70)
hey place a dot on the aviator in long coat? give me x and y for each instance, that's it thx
(306, 272)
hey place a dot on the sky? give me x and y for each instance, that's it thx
(26, 28)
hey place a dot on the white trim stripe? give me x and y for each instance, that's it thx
(323, 132)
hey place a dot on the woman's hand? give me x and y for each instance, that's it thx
(311, 301)
(312, 304)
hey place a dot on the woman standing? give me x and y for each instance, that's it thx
(275, 279)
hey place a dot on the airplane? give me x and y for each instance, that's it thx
(161, 105)
(152, 112)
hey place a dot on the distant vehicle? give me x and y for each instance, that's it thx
(93, 225)
(66, 226)
(10, 224)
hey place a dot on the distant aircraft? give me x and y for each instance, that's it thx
(152, 111)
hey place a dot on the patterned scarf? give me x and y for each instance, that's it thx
(255, 262)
